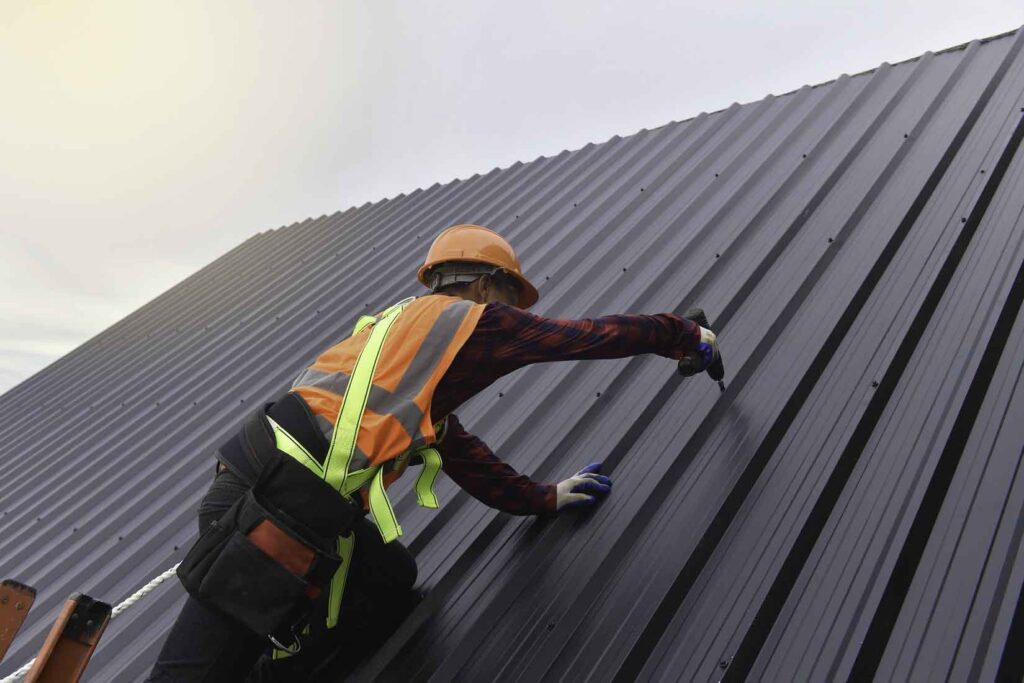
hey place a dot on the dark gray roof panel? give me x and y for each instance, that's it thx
(850, 505)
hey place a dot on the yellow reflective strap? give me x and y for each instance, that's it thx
(380, 506)
(363, 321)
(346, 544)
(357, 480)
(425, 494)
(287, 443)
(399, 306)
(346, 429)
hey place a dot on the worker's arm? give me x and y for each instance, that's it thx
(507, 338)
(472, 465)
(522, 338)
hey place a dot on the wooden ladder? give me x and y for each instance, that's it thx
(71, 642)
(15, 601)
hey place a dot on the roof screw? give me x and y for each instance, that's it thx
(3, 600)
(641, 189)
(175, 547)
(74, 617)
(120, 538)
(19, 606)
(983, 170)
(547, 277)
(724, 664)
(500, 394)
(88, 624)
(830, 240)
(574, 203)
(718, 256)
(623, 270)
(805, 156)
(716, 175)
(241, 400)
(599, 394)
(551, 626)
(905, 136)
(874, 385)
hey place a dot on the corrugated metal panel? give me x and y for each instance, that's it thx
(850, 506)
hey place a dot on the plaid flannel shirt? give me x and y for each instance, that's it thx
(506, 339)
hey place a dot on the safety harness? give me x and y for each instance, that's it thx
(286, 514)
(335, 468)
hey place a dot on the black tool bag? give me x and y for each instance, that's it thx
(274, 550)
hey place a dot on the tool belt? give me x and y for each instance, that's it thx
(274, 551)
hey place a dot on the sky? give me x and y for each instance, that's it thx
(139, 141)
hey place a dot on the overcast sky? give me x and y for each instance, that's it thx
(141, 140)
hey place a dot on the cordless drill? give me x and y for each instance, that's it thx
(689, 363)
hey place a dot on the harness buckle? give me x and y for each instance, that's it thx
(290, 649)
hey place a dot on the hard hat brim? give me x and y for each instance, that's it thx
(528, 294)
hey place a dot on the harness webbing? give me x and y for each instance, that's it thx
(342, 448)
(425, 494)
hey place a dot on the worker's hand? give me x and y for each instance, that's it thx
(583, 489)
(698, 360)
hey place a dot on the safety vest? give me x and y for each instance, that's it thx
(372, 395)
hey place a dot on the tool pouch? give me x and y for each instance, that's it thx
(272, 553)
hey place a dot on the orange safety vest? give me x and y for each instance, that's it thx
(420, 345)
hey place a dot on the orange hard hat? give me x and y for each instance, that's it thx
(477, 244)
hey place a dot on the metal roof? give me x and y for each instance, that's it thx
(851, 505)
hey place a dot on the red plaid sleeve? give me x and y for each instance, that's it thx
(507, 338)
(472, 465)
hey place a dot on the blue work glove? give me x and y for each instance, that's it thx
(583, 489)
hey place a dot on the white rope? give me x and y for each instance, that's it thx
(128, 602)
(142, 592)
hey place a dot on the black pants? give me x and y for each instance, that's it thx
(203, 646)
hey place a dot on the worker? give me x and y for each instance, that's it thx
(289, 572)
